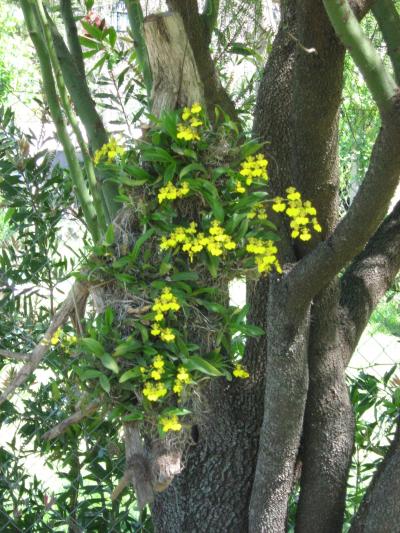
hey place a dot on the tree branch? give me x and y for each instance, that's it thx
(72, 36)
(79, 91)
(78, 293)
(370, 276)
(367, 59)
(369, 207)
(75, 418)
(14, 355)
(135, 15)
(388, 19)
(380, 509)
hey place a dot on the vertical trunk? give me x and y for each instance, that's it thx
(212, 492)
(327, 441)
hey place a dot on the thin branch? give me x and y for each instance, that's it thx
(135, 15)
(388, 19)
(17, 356)
(75, 418)
(78, 292)
(72, 36)
(367, 59)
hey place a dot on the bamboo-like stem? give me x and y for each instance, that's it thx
(388, 19)
(94, 187)
(135, 15)
(379, 81)
(82, 191)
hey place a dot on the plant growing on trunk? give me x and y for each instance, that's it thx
(293, 406)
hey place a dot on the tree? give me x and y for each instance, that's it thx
(294, 408)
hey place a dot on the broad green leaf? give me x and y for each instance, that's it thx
(135, 415)
(130, 374)
(198, 363)
(129, 346)
(105, 383)
(110, 363)
(139, 243)
(92, 346)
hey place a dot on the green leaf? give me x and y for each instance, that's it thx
(175, 411)
(139, 243)
(92, 346)
(157, 154)
(251, 330)
(135, 415)
(198, 363)
(89, 373)
(89, 43)
(193, 167)
(109, 237)
(105, 383)
(110, 363)
(130, 374)
(137, 172)
(92, 30)
(129, 346)
(185, 276)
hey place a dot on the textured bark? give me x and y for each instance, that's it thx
(370, 276)
(286, 380)
(328, 433)
(380, 509)
(176, 80)
(213, 490)
(199, 38)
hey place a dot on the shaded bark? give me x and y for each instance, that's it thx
(328, 431)
(286, 387)
(370, 275)
(199, 38)
(213, 490)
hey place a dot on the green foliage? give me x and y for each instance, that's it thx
(376, 402)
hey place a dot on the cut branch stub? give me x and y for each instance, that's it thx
(176, 80)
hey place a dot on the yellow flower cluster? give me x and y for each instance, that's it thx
(182, 378)
(166, 302)
(154, 391)
(257, 211)
(240, 372)
(109, 152)
(192, 242)
(187, 130)
(265, 254)
(302, 214)
(158, 368)
(251, 168)
(170, 423)
(170, 192)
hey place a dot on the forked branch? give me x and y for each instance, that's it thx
(77, 294)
